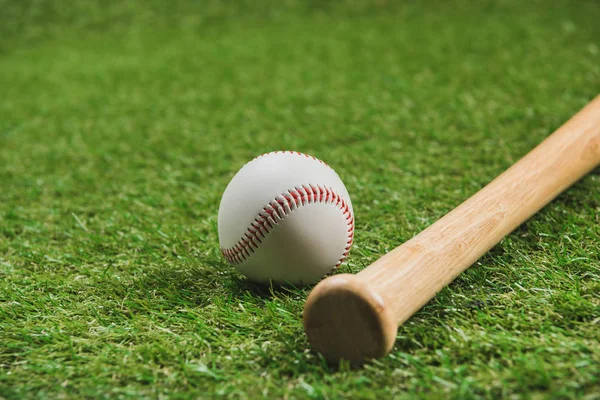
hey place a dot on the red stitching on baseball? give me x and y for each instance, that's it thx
(274, 212)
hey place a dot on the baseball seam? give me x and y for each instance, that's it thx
(281, 206)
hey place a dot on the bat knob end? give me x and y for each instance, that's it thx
(345, 319)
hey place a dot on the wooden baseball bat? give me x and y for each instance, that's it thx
(356, 317)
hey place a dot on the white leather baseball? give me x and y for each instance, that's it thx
(286, 217)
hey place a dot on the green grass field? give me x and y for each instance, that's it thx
(122, 122)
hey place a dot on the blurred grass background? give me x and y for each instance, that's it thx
(122, 122)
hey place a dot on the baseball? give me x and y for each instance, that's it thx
(285, 217)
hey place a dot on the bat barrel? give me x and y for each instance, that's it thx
(356, 317)
(344, 318)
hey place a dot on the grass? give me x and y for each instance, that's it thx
(122, 122)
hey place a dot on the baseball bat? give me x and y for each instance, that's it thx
(356, 317)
